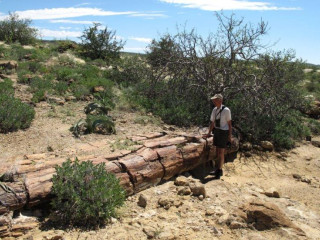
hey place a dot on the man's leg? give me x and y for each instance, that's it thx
(221, 159)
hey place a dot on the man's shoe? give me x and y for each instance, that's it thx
(219, 173)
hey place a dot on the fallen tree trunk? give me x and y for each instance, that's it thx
(159, 157)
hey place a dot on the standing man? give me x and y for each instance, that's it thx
(221, 124)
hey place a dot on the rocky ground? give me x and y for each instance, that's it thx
(267, 196)
(262, 195)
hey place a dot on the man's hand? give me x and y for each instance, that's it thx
(205, 136)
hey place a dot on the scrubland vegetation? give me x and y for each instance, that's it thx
(268, 92)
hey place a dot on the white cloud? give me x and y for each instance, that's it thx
(65, 28)
(73, 21)
(56, 13)
(135, 49)
(82, 4)
(217, 5)
(149, 15)
(139, 39)
(59, 34)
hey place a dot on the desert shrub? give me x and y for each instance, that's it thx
(90, 83)
(89, 71)
(60, 88)
(99, 43)
(130, 71)
(80, 91)
(126, 144)
(145, 120)
(40, 87)
(66, 73)
(105, 99)
(6, 87)
(313, 125)
(24, 76)
(288, 129)
(13, 29)
(313, 83)
(37, 67)
(85, 194)
(65, 45)
(101, 124)
(14, 114)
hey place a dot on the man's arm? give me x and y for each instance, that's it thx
(211, 126)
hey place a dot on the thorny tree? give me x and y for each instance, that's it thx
(260, 86)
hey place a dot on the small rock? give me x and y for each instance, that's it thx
(142, 202)
(198, 189)
(306, 180)
(210, 212)
(247, 154)
(70, 98)
(272, 192)
(266, 145)
(246, 146)
(316, 143)
(236, 225)
(308, 158)
(178, 203)
(57, 238)
(98, 89)
(201, 197)
(113, 220)
(56, 100)
(181, 181)
(150, 232)
(257, 147)
(296, 176)
(184, 190)
(165, 203)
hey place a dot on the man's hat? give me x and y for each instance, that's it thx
(217, 96)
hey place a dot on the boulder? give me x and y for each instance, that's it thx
(265, 215)
(10, 65)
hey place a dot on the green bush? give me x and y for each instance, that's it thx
(289, 129)
(14, 114)
(101, 124)
(100, 43)
(105, 99)
(86, 194)
(13, 29)
(39, 87)
(24, 76)
(66, 73)
(65, 45)
(60, 88)
(80, 91)
(6, 87)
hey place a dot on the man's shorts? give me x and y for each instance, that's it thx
(220, 138)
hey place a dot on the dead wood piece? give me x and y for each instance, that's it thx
(165, 142)
(148, 154)
(12, 196)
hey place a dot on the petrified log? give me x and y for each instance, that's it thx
(158, 157)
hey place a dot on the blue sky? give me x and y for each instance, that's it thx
(294, 24)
